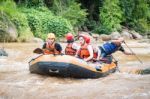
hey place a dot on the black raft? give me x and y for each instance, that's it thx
(68, 66)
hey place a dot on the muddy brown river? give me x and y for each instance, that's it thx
(16, 82)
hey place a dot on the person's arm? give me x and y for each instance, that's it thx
(91, 53)
(77, 52)
(44, 46)
(74, 46)
(124, 51)
(77, 48)
(128, 53)
(58, 47)
(98, 54)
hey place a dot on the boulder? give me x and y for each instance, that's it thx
(3, 52)
(63, 40)
(126, 34)
(105, 37)
(8, 31)
(85, 33)
(115, 35)
(95, 36)
(136, 35)
(36, 40)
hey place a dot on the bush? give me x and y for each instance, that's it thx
(24, 32)
(75, 15)
(70, 10)
(57, 25)
(111, 15)
(17, 18)
(136, 14)
(101, 29)
(42, 21)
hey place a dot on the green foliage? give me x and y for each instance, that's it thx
(30, 3)
(136, 13)
(17, 18)
(70, 10)
(91, 24)
(21, 23)
(92, 7)
(42, 21)
(57, 25)
(101, 29)
(35, 18)
(140, 16)
(8, 6)
(5, 25)
(75, 15)
(110, 16)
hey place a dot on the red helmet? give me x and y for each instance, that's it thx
(86, 38)
(69, 36)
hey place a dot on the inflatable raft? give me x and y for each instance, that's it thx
(68, 66)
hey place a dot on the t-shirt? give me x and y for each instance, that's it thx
(57, 46)
(120, 48)
(75, 46)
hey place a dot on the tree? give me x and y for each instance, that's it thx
(110, 16)
(136, 14)
(70, 10)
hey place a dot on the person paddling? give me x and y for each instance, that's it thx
(112, 46)
(86, 51)
(50, 46)
(108, 48)
(72, 47)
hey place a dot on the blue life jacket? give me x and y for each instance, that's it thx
(109, 48)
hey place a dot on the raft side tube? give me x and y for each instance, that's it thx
(66, 70)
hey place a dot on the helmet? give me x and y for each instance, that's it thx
(86, 38)
(69, 36)
(51, 35)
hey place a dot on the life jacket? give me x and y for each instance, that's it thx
(95, 55)
(69, 50)
(83, 52)
(50, 49)
(109, 47)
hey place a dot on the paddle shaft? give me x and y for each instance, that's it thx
(133, 52)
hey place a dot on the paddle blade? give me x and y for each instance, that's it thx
(38, 51)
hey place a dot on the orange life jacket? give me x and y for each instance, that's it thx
(50, 49)
(83, 52)
(69, 50)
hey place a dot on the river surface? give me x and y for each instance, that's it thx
(16, 82)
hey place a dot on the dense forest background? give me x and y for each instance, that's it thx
(24, 19)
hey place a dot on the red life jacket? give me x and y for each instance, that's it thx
(95, 55)
(69, 50)
(50, 49)
(83, 52)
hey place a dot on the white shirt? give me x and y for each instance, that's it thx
(75, 46)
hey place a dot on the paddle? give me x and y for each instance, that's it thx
(133, 52)
(38, 51)
(116, 62)
(41, 51)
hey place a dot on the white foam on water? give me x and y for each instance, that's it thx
(135, 95)
(6, 66)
